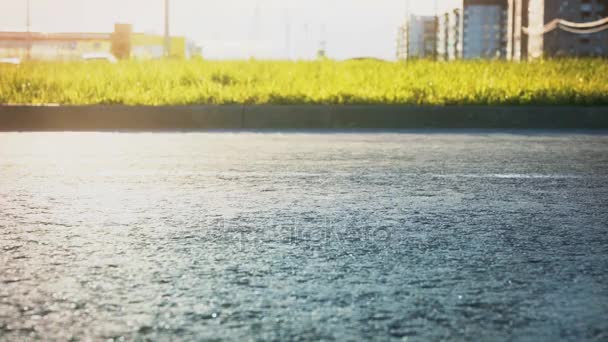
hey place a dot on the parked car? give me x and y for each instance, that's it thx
(99, 56)
(10, 60)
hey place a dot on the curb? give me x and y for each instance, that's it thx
(255, 117)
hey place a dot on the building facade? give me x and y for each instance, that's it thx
(418, 38)
(509, 29)
(449, 39)
(73, 46)
(52, 46)
(485, 32)
(560, 42)
(476, 30)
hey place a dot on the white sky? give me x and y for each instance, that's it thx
(231, 28)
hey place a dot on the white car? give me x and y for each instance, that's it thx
(99, 56)
(10, 60)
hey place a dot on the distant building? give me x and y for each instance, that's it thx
(560, 42)
(485, 29)
(477, 30)
(52, 46)
(73, 46)
(449, 37)
(402, 42)
(417, 38)
(151, 46)
(508, 29)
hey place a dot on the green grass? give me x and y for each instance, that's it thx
(575, 82)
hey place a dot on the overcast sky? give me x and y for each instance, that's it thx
(236, 28)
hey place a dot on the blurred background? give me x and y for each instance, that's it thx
(295, 29)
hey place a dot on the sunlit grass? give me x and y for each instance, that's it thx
(579, 82)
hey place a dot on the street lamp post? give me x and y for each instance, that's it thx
(167, 49)
(436, 50)
(517, 30)
(29, 34)
(510, 23)
(407, 29)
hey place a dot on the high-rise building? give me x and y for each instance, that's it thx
(449, 36)
(560, 42)
(485, 29)
(418, 38)
(402, 42)
(510, 29)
